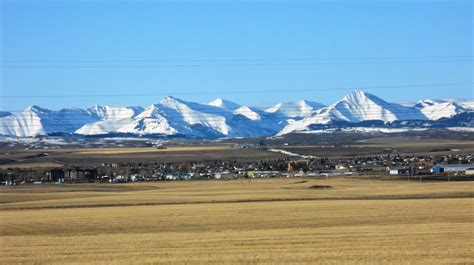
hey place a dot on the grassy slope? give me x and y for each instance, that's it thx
(372, 229)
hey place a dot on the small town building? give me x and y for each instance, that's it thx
(80, 175)
(438, 169)
(457, 167)
(224, 175)
(401, 171)
(470, 171)
(56, 175)
(263, 173)
(179, 176)
(451, 168)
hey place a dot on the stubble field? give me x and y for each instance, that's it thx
(286, 221)
(69, 156)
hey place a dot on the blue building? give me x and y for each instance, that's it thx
(438, 169)
(451, 168)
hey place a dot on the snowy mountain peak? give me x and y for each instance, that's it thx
(467, 104)
(36, 109)
(224, 104)
(428, 102)
(301, 108)
(361, 106)
(151, 111)
(356, 94)
(307, 106)
(302, 102)
(437, 109)
(171, 99)
(35, 121)
(274, 108)
(114, 113)
(357, 106)
(361, 97)
(32, 107)
(219, 118)
(248, 113)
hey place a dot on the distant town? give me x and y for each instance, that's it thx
(416, 167)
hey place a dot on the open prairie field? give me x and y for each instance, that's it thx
(33, 165)
(96, 156)
(384, 146)
(226, 150)
(286, 221)
(113, 151)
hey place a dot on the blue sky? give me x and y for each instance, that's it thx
(185, 48)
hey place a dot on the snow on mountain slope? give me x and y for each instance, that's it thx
(299, 109)
(114, 113)
(102, 127)
(111, 119)
(26, 123)
(195, 114)
(468, 104)
(248, 113)
(357, 106)
(302, 125)
(360, 106)
(209, 119)
(38, 121)
(222, 118)
(67, 120)
(224, 104)
(437, 109)
(428, 103)
(243, 126)
(150, 121)
(251, 122)
(465, 104)
(172, 116)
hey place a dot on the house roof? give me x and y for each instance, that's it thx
(399, 168)
(465, 166)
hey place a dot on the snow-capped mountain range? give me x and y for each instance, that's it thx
(173, 117)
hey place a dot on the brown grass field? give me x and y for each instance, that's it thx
(33, 165)
(119, 151)
(78, 156)
(34, 158)
(273, 221)
(75, 156)
(384, 146)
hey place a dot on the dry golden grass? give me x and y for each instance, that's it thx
(358, 221)
(118, 151)
(152, 193)
(32, 165)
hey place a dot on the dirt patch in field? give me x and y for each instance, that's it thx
(300, 182)
(321, 187)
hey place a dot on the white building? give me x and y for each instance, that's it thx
(457, 167)
(401, 171)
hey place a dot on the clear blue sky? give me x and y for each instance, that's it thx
(112, 47)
